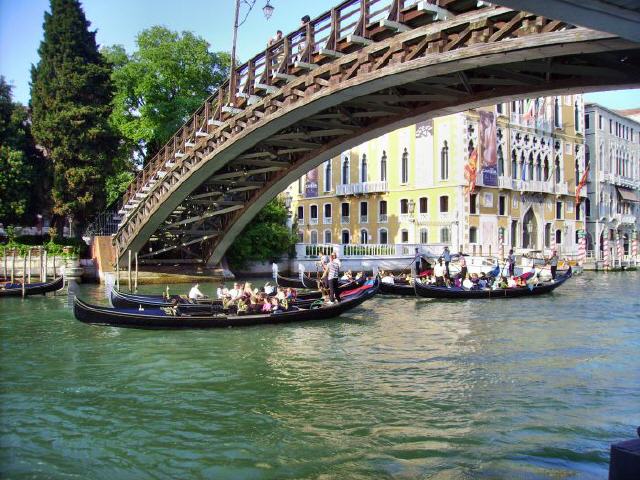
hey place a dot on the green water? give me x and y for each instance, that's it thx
(398, 388)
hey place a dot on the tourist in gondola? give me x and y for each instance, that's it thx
(553, 263)
(334, 272)
(222, 291)
(511, 262)
(439, 272)
(386, 277)
(463, 264)
(195, 293)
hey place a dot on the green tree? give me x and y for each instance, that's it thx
(266, 237)
(71, 94)
(23, 172)
(160, 85)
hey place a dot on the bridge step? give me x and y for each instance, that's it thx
(201, 134)
(267, 88)
(330, 53)
(397, 26)
(305, 65)
(439, 13)
(284, 76)
(231, 110)
(358, 39)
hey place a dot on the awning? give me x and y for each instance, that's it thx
(627, 194)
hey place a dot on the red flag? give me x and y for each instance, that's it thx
(581, 184)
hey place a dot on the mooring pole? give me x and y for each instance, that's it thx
(135, 285)
(129, 270)
(4, 262)
(41, 271)
(29, 266)
(46, 265)
(13, 265)
(117, 267)
(24, 270)
(54, 267)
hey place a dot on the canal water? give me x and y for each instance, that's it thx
(399, 389)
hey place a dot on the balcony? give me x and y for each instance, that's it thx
(562, 188)
(313, 221)
(534, 122)
(364, 218)
(300, 221)
(446, 216)
(505, 182)
(405, 217)
(423, 218)
(625, 218)
(327, 220)
(344, 220)
(361, 188)
(382, 218)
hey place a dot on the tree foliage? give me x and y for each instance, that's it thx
(23, 174)
(71, 94)
(265, 238)
(160, 85)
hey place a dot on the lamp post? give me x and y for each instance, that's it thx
(287, 203)
(268, 11)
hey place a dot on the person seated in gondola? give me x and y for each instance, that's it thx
(482, 281)
(467, 284)
(439, 272)
(511, 282)
(457, 281)
(267, 305)
(269, 289)
(275, 306)
(386, 277)
(475, 280)
(222, 291)
(195, 293)
(348, 276)
(291, 294)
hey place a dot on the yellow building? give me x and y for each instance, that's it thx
(410, 187)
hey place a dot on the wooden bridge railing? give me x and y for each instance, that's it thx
(298, 50)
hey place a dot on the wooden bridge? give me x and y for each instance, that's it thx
(359, 70)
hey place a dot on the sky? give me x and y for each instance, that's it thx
(119, 21)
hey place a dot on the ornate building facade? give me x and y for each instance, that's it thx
(483, 180)
(613, 211)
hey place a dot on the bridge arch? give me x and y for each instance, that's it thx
(230, 160)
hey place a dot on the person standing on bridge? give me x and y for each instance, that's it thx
(333, 275)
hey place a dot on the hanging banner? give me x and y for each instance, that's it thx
(470, 172)
(311, 185)
(488, 149)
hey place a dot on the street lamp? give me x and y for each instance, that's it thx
(268, 11)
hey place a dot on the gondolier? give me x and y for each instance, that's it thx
(463, 265)
(333, 276)
(511, 262)
(553, 263)
(446, 256)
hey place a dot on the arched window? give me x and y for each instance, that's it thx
(500, 161)
(405, 167)
(547, 235)
(300, 214)
(363, 169)
(576, 116)
(538, 168)
(424, 236)
(327, 213)
(444, 162)
(514, 165)
(404, 236)
(327, 236)
(473, 235)
(327, 176)
(523, 167)
(587, 207)
(445, 235)
(384, 236)
(577, 171)
(345, 237)
(383, 167)
(557, 169)
(314, 237)
(546, 169)
(530, 173)
(345, 170)
(364, 236)
(557, 113)
(558, 237)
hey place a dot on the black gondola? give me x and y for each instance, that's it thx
(311, 283)
(397, 288)
(130, 300)
(431, 291)
(15, 289)
(158, 318)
